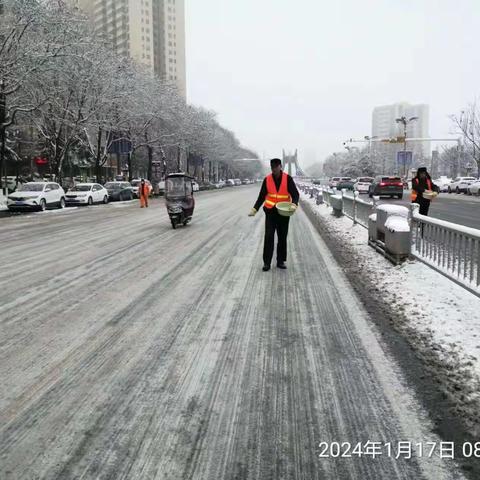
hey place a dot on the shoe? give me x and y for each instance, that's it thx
(266, 268)
(281, 265)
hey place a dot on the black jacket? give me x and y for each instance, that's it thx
(292, 190)
(420, 185)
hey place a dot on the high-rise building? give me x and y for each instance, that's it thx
(151, 32)
(384, 125)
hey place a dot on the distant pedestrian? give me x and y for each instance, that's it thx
(143, 192)
(422, 183)
(276, 187)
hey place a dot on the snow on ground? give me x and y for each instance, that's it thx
(442, 318)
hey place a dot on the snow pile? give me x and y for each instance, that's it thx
(393, 210)
(396, 223)
(373, 217)
(438, 317)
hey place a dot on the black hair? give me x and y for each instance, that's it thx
(275, 162)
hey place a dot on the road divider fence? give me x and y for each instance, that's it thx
(450, 248)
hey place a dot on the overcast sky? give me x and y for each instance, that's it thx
(306, 74)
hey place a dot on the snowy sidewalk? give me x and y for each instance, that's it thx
(442, 318)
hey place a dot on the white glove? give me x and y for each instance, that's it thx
(252, 213)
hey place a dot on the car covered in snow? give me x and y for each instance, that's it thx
(37, 196)
(86, 194)
(442, 183)
(460, 184)
(332, 183)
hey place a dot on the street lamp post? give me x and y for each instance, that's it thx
(404, 121)
(3, 119)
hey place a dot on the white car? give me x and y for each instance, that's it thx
(86, 194)
(37, 196)
(230, 183)
(460, 184)
(362, 185)
(442, 183)
(474, 188)
(195, 186)
(333, 182)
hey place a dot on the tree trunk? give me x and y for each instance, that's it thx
(97, 160)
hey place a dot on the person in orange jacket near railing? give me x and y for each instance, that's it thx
(143, 192)
(420, 183)
(276, 187)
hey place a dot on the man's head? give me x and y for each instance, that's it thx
(276, 166)
(142, 181)
(422, 172)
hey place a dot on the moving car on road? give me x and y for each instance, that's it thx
(120, 191)
(333, 182)
(37, 196)
(363, 184)
(386, 186)
(86, 194)
(474, 188)
(345, 182)
(460, 184)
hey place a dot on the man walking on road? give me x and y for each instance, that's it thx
(420, 184)
(276, 187)
(143, 192)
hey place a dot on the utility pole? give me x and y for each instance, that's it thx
(3, 119)
(403, 120)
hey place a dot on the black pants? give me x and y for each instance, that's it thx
(424, 205)
(275, 222)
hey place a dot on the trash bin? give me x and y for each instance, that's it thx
(319, 199)
(336, 202)
(397, 236)
(383, 212)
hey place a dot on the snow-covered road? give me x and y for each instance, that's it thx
(133, 351)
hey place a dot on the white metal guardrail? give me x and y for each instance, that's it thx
(452, 249)
(449, 248)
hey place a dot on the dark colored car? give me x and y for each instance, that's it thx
(345, 182)
(119, 191)
(386, 186)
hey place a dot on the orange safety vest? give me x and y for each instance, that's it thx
(273, 197)
(414, 194)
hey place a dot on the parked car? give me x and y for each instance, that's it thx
(136, 186)
(86, 194)
(345, 182)
(195, 186)
(230, 183)
(363, 184)
(333, 182)
(383, 186)
(119, 191)
(237, 182)
(460, 184)
(219, 184)
(37, 196)
(442, 183)
(474, 188)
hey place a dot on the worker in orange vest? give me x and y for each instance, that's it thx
(276, 187)
(143, 192)
(421, 182)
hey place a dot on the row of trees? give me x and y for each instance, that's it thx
(63, 83)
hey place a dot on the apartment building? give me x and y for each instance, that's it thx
(151, 32)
